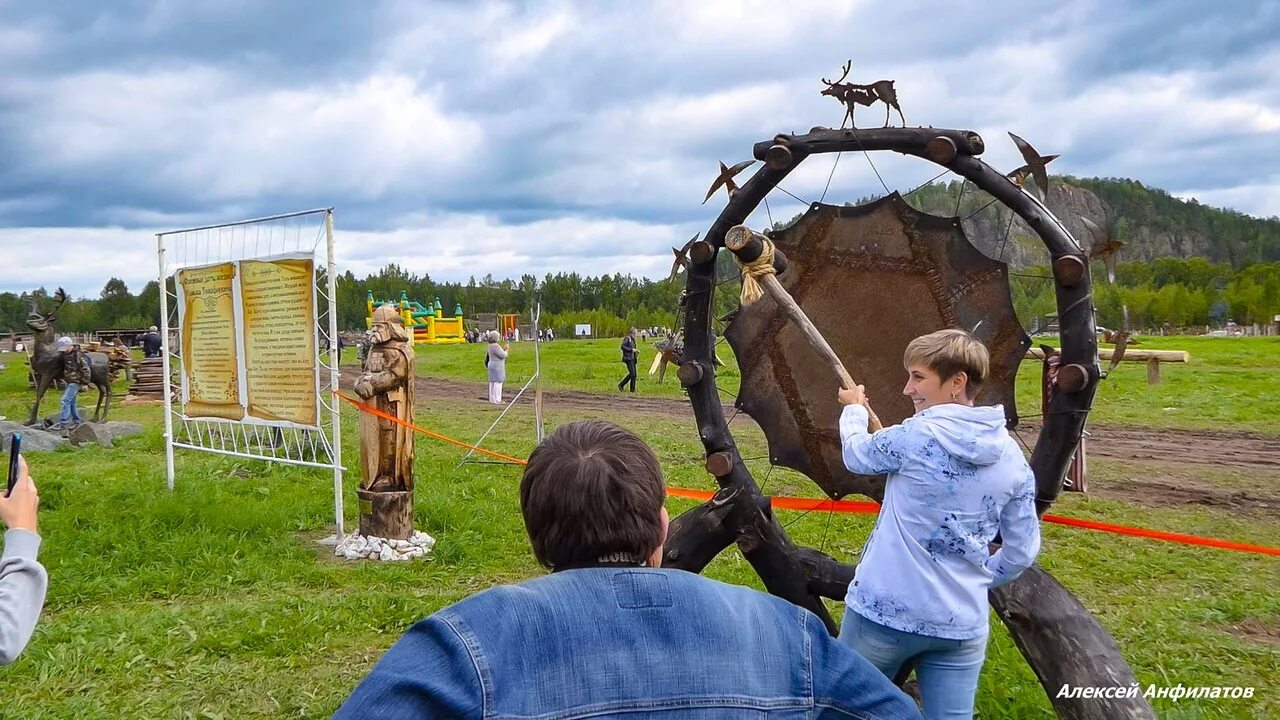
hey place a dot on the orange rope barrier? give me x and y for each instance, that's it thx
(862, 507)
(790, 503)
(845, 506)
(1161, 535)
(388, 416)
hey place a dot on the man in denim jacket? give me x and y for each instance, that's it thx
(609, 633)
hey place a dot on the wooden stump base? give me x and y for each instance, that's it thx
(386, 514)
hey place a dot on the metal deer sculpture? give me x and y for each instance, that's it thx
(853, 95)
(46, 362)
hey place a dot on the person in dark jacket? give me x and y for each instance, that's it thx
(151, 344)
(629, 356)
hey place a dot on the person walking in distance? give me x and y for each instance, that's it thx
(629, 356)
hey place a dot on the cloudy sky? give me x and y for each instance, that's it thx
(460, 138)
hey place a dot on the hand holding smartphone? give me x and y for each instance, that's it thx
(14, 448)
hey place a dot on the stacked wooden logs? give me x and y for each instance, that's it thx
(148, 377)
(118, 358)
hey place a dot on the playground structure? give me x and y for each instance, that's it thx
(507, 324)
(502, 323)
(426, 324)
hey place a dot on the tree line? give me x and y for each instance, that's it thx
(115, 307)
(1179, 293)
(1175, 291)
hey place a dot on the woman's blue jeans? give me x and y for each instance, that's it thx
(946, 670)
(69, 411)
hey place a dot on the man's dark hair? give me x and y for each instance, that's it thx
(592, 491)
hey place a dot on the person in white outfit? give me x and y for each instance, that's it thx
(955, 479)
(496, 361)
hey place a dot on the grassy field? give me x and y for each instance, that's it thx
(214, 601)
(1229, 383)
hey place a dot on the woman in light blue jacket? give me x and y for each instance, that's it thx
(955, 479)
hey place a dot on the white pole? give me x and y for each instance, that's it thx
(537, 374)
(164, 355)
(332, 272)
(501, 415)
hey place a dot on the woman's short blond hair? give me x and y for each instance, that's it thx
(948, 352)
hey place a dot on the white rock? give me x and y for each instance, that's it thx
(386, 554)
(351, 554)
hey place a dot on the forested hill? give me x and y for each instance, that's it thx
(1151, 222)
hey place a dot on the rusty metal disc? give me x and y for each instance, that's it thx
(871, 278)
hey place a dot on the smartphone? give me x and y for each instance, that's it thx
(14, 448)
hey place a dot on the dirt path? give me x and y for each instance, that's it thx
(1244, 450)
(1157, 493)
(1184, 447)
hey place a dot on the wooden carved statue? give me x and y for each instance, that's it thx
(386, 447)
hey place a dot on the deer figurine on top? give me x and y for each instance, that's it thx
(853, 95)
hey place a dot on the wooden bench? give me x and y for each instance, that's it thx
(1152, 358)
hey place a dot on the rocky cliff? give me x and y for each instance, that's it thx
(1150, 222)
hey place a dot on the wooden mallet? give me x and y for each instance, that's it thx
(761, 262)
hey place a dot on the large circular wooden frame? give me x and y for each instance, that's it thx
(1049, 625)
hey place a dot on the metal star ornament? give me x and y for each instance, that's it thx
(1104, 247)
(1035, 165)
(682, 258)
(726, 178)
(1020, 175)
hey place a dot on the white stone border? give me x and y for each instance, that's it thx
(361, 547)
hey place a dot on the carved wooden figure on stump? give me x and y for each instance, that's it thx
(386, 447)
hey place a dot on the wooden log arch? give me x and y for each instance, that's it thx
(1050, 627)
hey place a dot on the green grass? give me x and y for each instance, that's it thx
(213, 601)
(1229, 384)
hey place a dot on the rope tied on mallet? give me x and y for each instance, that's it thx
(753, 271)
